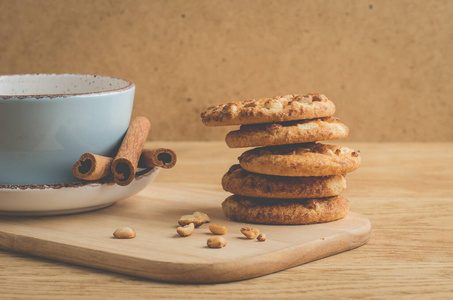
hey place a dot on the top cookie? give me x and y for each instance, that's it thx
(311, 159)
(268, 110)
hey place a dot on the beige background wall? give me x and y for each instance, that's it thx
(386, 64)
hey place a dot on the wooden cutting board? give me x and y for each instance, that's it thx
(159, 253)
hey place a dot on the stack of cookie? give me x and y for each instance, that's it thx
(290, 178)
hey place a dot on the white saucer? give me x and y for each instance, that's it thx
(59, 199)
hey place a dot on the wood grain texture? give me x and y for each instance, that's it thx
(158, 253)
(404, 189)
(386, 64)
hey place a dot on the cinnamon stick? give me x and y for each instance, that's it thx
(125, 163)
(158, 157)
(92, 167)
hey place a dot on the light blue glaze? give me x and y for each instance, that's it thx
(41, 137)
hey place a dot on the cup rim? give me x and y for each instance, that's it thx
(128, 85)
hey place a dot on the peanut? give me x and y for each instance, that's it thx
(203, 216)
(216, 242)
(261, 237)
(186, 230)
(249, 232)
(218, 229)
(124, 233)
(197, 218)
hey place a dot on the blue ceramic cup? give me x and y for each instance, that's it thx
(47, 121)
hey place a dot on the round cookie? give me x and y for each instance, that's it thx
(267, 110)
(292, 132)
(241, 182)
(311, 159)
(285, 211)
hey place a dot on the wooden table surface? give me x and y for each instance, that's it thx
(406, 190)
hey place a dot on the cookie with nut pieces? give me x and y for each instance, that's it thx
(292, 132)
(285, 211)
(241, 182)
(268, 110)
(310, 159)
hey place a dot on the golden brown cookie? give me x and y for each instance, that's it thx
(241, 182)
(311, 159)
(267, 110)
(285, 211)
(292, 132)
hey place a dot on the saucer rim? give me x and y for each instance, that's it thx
(76, 184)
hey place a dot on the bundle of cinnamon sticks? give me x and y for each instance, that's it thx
(131, 155)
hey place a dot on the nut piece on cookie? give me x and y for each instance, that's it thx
(273, 104)
(124, 233)
(303, 99)
(218, 229)
(186, 230)
(250, 233)
(197, 218)
(216, 242)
